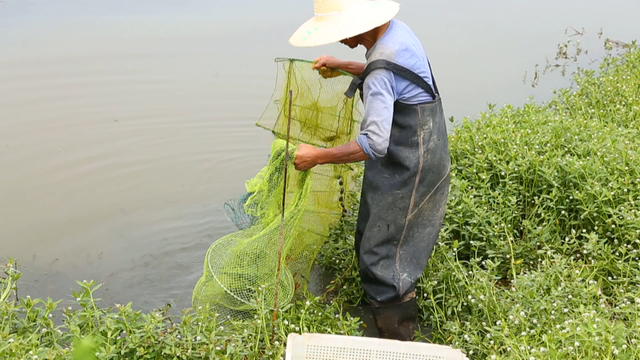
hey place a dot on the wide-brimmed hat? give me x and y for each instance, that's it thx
(335, 20)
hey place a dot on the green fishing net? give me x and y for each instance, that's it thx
(242, 267)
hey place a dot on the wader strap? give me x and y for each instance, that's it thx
(357, 82)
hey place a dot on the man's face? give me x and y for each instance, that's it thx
(351, 42)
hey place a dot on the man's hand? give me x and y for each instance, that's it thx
(327, 66)
(326, 61)
(306, 157)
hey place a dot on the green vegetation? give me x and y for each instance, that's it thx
(39, 329)
(538, 257)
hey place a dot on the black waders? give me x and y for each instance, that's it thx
(402, 207)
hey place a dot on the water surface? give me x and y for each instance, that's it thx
(125, 125)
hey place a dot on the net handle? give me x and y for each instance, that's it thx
(280, 239)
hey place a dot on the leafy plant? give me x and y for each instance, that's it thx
(39, 329)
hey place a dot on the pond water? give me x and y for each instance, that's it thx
(125, 125)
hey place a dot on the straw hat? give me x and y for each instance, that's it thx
(336, 20)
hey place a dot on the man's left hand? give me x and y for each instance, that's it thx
(306, 157)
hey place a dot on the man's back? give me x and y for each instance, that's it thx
(382, 87)
(400, 45)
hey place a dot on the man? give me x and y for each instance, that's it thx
(403, 142)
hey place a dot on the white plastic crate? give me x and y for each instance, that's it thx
(338, 347)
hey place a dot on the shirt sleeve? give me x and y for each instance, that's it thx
(379, 95)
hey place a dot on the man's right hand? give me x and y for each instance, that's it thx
(326, 61)
(327, 66)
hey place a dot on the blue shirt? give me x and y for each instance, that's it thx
(382, 87)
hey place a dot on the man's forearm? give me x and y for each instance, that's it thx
(347, 153)
(352, 67)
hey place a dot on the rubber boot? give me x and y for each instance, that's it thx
(398, 321)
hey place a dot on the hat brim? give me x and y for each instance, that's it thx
(359, 18)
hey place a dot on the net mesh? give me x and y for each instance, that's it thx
(244, 262)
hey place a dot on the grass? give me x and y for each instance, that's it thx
(538, 257)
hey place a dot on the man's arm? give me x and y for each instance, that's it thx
(308, 156)
(352, 67)
(379, 94)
